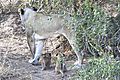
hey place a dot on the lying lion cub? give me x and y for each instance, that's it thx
(40, 27)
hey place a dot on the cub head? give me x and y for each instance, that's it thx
(46, 56)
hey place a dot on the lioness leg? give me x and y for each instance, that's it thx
(74, 47)
(30, 41)
(79, 57)
(30, 44)
(38, 52)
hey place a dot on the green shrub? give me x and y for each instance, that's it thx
(99, 69)
(92, 23)
(95, 22)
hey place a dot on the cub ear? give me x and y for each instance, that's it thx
(34, 9)
(21, 11)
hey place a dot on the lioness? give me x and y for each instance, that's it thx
(40, 27)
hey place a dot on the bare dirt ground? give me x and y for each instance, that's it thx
(14, 54)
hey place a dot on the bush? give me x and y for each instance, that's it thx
(99, 69)
(92, 24)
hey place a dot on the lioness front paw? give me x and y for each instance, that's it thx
(31, 61)
(34, 62)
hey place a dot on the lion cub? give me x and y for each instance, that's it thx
(60, 66)
(46, 61)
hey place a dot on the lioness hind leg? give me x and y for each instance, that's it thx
(74, 47)
(79, 57)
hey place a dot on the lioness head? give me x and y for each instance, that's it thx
(26, 12)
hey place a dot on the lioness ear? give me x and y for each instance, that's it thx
(21, 11)
(57, 54)
(34, 9)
